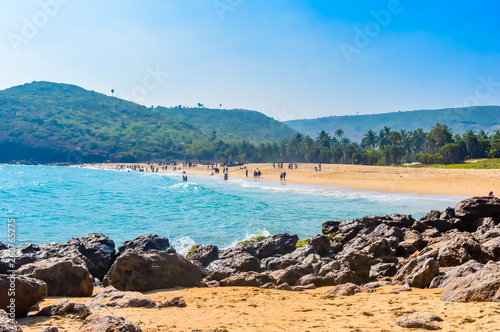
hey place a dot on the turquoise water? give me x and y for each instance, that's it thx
(53, 204)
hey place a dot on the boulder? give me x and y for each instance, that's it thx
(330, 227)
(461, 248)
(383, 270)
(134, 271)
(3, 246)
(419, 320)
(478, 207)
(29, 292)
(219, 269)
(252, 279)
(335, 273)
(65, 308)
(359, 263)
(112, 297)
(145, 243)
(451, 273)
(492, 247)
(482, 286)
(277, 263)
(173, 302)
(204, 253)
(346, 289)
(300, 254)
(279, 244)
(293, 273)
(98, 249)
(8, 324)
(100, 323)
(67, 276)
(243, 262)
(321, 244)
(418, 272)
(486, 232)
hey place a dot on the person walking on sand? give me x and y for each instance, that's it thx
(284, 176)
(320, 166)
(281, 176)
(246, 173)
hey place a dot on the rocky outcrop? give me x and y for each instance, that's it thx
(482, 286)
(204, 254)
(7, 324)
(145, 243)
(28, 292)
(112, 297)
(418, 272)
(478, 207)
(419, 320)
(3, 246)
(100, 323)
(461, 248)
(134, 271)
(492, 248)
(65, 308)
(64, 276)
(447, 275)
(279, 244)
(252, 279)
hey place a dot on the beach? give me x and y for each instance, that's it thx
(423, 181)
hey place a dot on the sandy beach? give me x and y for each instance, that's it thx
(424, 181)
(254, 309)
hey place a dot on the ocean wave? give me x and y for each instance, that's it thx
(182, 245)
(249, 236)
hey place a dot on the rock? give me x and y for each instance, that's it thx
(443, 279)
(3, 246)
(252, 279)
(330, 227)
(112, 297)
(486, 232)
(478, 207)
(415, 238)
(447, 214)
(65, 308)
(359, 263)
(219, 269)
(334, 273)
(134, 271)
(383, 270)
(403, 288)
(279, 244)
(419, 320)
(418, 272)
(492, 247)
(100, 323)
(321, 244)
(243, 262)
(277, 263)
(460, 249)
(482, 286)
(50, 329)
(420, 226)
(300, 254)
(98, 249)
(8, 324)
(173, 302)
(67, 276)
(285, 287)
(293, 273)
(29, 292)
(347, 289)
(204, 253)
(145, 243)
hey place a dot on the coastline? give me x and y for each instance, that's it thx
(422, 181)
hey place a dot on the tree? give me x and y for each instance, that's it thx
(324, 139)
(339, 133)
(439, 136)
(369, 139)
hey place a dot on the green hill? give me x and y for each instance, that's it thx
(49, 122)
(458, 119)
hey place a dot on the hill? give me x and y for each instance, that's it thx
(458, 119)
(49, 122)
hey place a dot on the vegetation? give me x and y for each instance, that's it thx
(253, 239)
(301, 243)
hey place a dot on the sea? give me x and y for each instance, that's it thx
(53, 204)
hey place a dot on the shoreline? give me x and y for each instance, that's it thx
(386, 179)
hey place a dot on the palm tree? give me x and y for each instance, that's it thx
(383, 137)
(339, 133)
(369, 139)
(324, 139)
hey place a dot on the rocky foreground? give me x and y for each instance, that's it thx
(457, 250)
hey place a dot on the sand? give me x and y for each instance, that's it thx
(254, 309)
(424, 181)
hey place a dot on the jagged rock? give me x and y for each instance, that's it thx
(383, 270)
(492, 247)
(419, 320)
(335, 273)
(145, 243)
(348, 230)
(346, 289)
(461, 248)
(8, 324)
(67, 276)
(478, 207)
(252, 279)
(330, 227)
(100, 323)
(219, 269)
(360, 263)
(415, 238)
(112, 297)
(420, 226)
(277, 263)
(29, 292)
(173, 302)
(482, 286)
(321, 244)
(486, 232)
(484, 223)
(451, 273)
(65, 308)
(134, 271)
(243, 262)
(293, 273)
(300, 254)
(433, 219)
(418, 272)
(448, 214)
(3, 246)
(279, 244)
(98, 249)
(204, 253)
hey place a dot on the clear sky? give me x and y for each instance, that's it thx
(286, 58)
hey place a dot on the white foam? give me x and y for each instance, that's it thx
(249, 236)
(182, 245)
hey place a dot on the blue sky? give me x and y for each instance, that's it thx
(286, 58)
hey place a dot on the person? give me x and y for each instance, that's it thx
(226, 177)
(284, 176)
(246, 173)
(491, 194)
(320, 167)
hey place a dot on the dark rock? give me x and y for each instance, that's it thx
(8, 324)
(321, 244)
(359, 263)
(301, 253)
(67, 276)
(330, 227)
(279, 244)
(251, 279)
(3, 246)
(335, 273)
(482, 286)
(29, 292)
(419, 320)
(100, 323)
(348, 230)
(418, 272)
(133, 271)
(420, 226)
(243, 262)
(50, 329)
(383, 270)
(173, 302)
(447, 214)
(415, 238)
(285, 287)
(219, 269)
(461, 248)
(443, 279)
(111, 297)
(478, 207)
(277, 263)
(145, 243)
(204, 253)
(492, 247)
(486, 232)
(65, 308)
(293, 273)
(484, 223)
(98, 249)
(347, 289)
